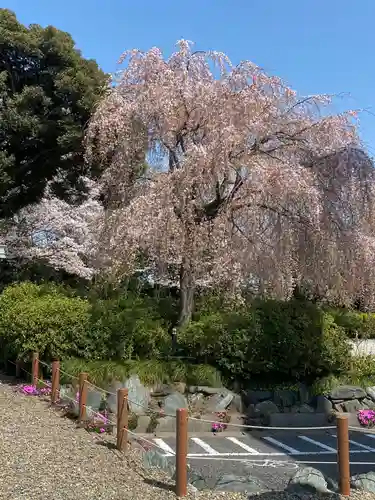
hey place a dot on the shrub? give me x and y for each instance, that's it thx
(355, 323)
(270, 340)
(299, 341)
(150, 372)
(361, 372)
(40, 318)
(128, 327)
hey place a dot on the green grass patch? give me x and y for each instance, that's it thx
(150, 372)
(361, 373)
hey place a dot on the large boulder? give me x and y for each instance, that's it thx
(180, 387)
(68, 397)
(67, 393)
(155, 459)
(285, 398)
(368, 403)
(112, 396)
(265, 408)
(250, 411)
(221, 401)
(305, 408)
(166, 424)
(161, 390)
(371, 392)
(139, 395)
(352, 406)
(254, 397)
(310, 479)
(143, 424)
(173, 402)
(93, 402)
(208, 391)
(323, 404)
(347, 392)
(364, 482)
(196, 481)
(339, 407)
(303, 393)
(238, 404)
(224, 401)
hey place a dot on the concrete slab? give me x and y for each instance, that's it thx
(299, 420)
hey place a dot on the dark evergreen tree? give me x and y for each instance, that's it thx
(47, 93)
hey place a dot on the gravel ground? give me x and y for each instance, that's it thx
(44, 456)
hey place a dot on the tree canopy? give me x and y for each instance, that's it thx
(252, 184)
(48, 91)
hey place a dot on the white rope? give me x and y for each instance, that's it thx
(29, 373)
(362, 429)
(60, 370)
(115, 425)
(148, 441)
(245, 426)
(242, 426)
(138, 437)
(108, 392)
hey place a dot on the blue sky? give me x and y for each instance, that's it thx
(317, 46)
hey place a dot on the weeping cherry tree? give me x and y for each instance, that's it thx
(248, 184)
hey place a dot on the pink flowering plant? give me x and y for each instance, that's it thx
(29, 390)
(218, 427)
(366, 417)
(100, 424)
(221, 424)
(32, 390)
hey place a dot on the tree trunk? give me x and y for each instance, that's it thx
(187, 290)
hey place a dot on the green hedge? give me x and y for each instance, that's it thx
(292, 340)
(267, 340)
(39, 318)
(128, 327)
(53, 321)
(355, 323)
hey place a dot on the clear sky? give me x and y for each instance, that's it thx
(317, 46)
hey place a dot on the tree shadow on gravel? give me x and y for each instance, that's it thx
(159, 484)
(10, 380)
(289, 494)
(107, 444)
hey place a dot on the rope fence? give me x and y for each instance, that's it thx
(181, 455)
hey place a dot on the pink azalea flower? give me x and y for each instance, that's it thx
(366, 417)
(29, 389)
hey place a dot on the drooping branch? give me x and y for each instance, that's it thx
(250, 181)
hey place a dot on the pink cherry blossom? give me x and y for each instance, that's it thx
(249, 185)
(63, 235)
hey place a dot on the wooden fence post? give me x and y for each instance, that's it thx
(343, 457)
(18, 368)
(83, 387)
(35, 369)
(122, 419)
(181, 452)
(55, 381)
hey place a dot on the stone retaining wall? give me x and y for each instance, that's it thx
(153, 409)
